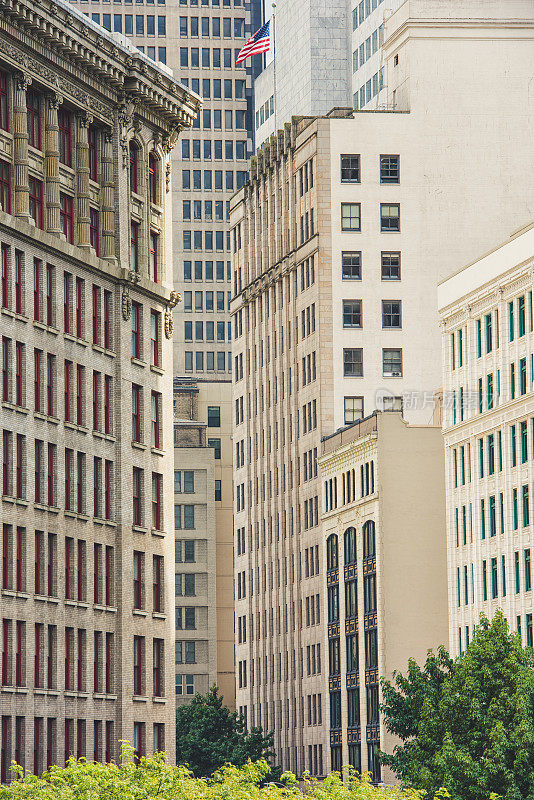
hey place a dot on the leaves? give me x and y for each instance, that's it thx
(209, 735)
(466, 725)
(153, 779)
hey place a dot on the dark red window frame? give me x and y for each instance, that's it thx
(5, 186)
(64, 120)
(66, 216)
(36, 200)
(33, 108)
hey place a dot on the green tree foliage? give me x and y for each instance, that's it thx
(153, 779)
(468, 724)
(209, 735)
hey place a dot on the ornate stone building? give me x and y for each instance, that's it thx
(87, 125)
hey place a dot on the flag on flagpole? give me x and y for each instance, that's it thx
(260, 42)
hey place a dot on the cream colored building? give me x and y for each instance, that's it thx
(385, 591)
(488, 342)
(203, 529)
(340, 238)
(87, 126)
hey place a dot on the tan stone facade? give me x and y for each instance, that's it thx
(340, 238)
(203, 530)
(386, 589)
(87, 602)
(488, 425)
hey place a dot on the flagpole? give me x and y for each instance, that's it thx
(274, 66)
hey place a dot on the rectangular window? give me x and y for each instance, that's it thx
(389, 217)
(352, 313)
(392, 362)
(351, 268)
(353, 362)
(350, 217)
(389, 169)
(66, 216)
(65, 146)
(391, 314)
(350, 169)
(391, 265)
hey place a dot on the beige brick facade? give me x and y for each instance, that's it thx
(87, 602)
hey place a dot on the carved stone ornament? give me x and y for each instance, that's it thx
(126, 303)
(167, 176)
(169, 324)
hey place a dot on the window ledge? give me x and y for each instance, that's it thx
(70, 337)
(54, 600)
(9, 593)
(138, 445)
(73, 426)
(70, 514)
(45, 417)
(107, 436)
(42, 326)
(157, 370)
(157, 699)
(21, 409)
(139, 698)
(158, 615)
(157, 451)
(99, 349)
(20, 502)
(8, 312)
(21, 690)
(138, 362)
(76, 603)
(139, 529)
(8, 498)
(138, 612)
(159, 534)
(52, 693)
(100, 607)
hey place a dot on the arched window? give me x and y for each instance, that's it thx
(153, 177)
(350, 545)
(369, 550)
(134, 167)
(331, 552)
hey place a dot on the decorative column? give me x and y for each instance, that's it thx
(52, 103)
(108, 198)
(82, 179)
(20, 146)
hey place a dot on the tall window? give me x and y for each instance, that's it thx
(134, 246)
(153, 177)
(155, 403)
(154, 240)
(350, 169)
(353, 409)
(155, 343)
(36, 200)
(389, 169)
(137, 495)
(157, 666)
(136, 330)
(391, 265)
(136, 413)
(94, 230)
(93, 160)
(134, 167)
(5, 186)
(33, 107)
(138, 647)
(352, 313)
(157, 500)
(389, 217)
(157, 583)
(351, 266)
(391, 314)
(369, 539)
(65, 144)
(4, 104)
(331, 552)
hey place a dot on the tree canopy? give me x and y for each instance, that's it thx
(209, 735)
(466, 724)
(153, 779)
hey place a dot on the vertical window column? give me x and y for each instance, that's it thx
(52, 163)
(20, 147)
(108, 197)
(82, 179)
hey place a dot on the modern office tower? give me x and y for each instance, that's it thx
(323, 60)
(488, 341)
(383, 526)
(341, 236)
(87, 605)
(204, 562)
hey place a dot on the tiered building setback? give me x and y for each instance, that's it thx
(340, 238)
(87, 125)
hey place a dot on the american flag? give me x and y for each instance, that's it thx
(260, 42)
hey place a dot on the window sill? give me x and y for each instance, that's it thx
(100, 607)
(107, 436)
(99, 349)
(138, 612)
(76, 603)
(157, 699)
(13, 593)
(158, 534)
(42, 326)
(70, 337)
(73, 426)
(138, 362)
(156, 451)
(21, 690)
(139, 529)
(157, 370)
(73, 693)
(45, 417)
(158, 615)
(20, 502)
(138, 445)
(139, 698)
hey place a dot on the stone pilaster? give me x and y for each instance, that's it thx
(20, 146)
(82, 179)
(108, 198)
(52, 103)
